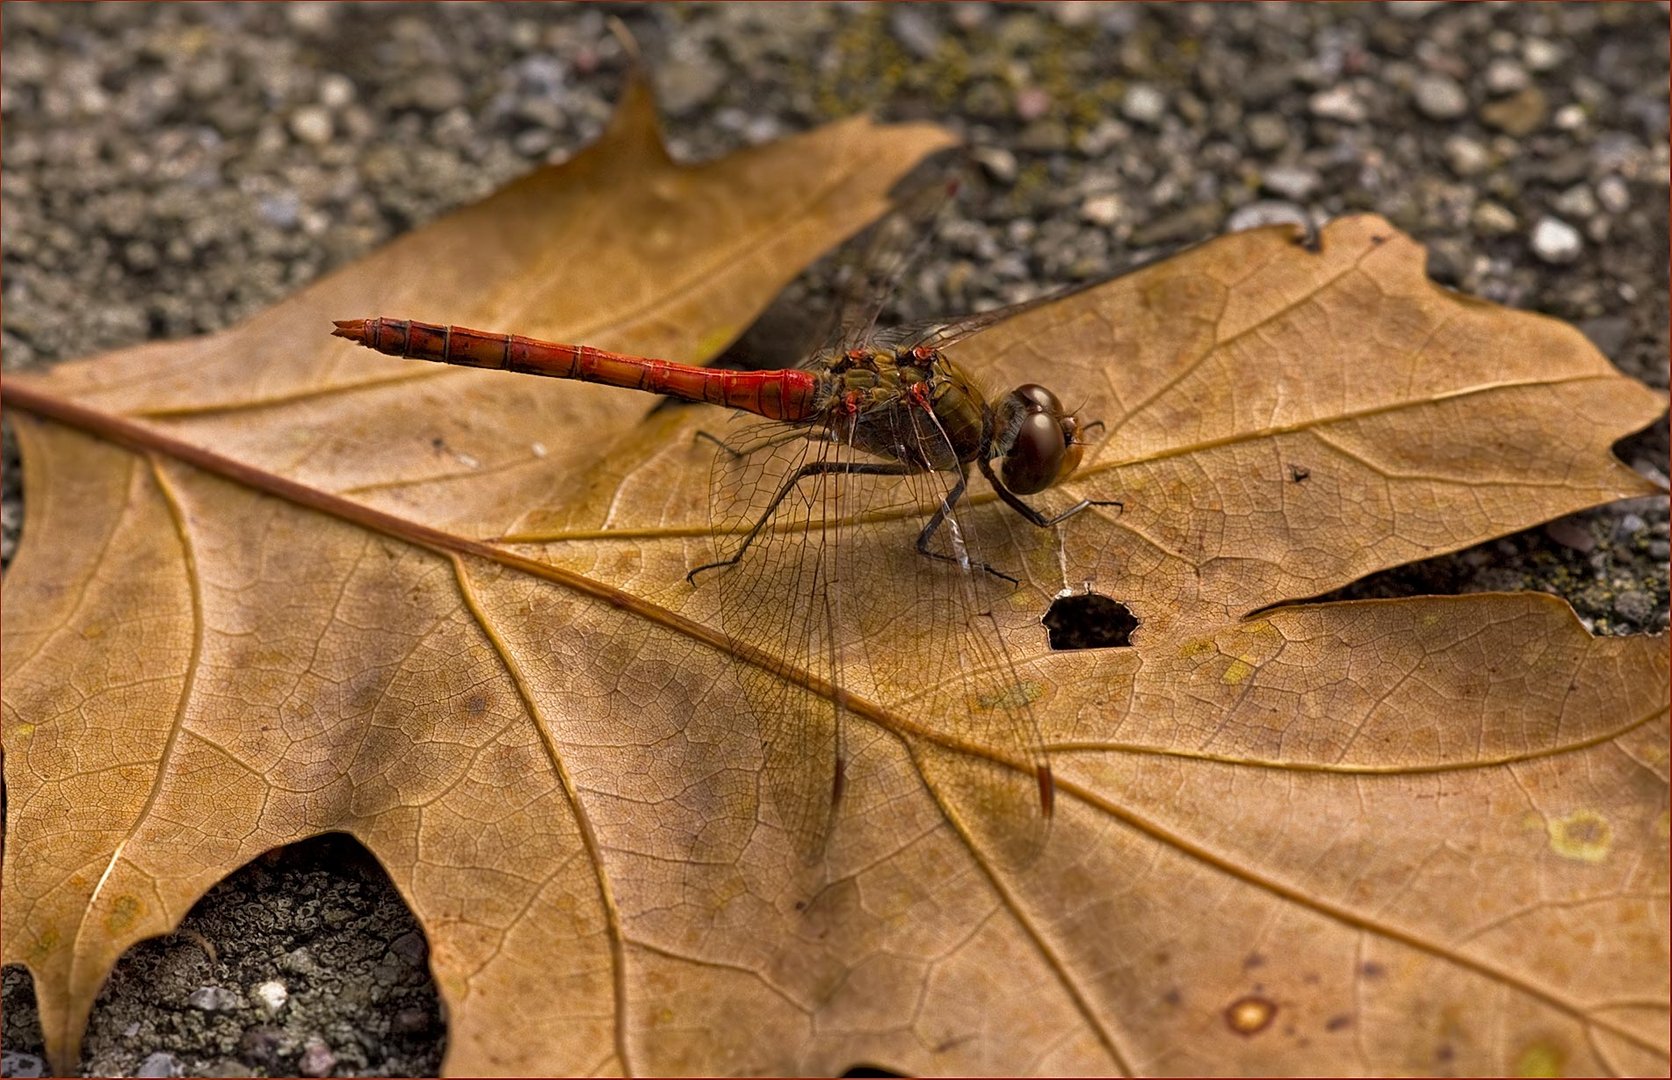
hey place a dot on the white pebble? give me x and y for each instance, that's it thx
(312, 124)
(1102, 210)
(1337, 103)
(272, 995)
(1614, 195)
(1143, 103)
(1555, 241)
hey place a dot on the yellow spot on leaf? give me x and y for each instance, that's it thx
(1540, 1059)
(92, 631)
(1583, 835)
(1238, 671)
(124, 910)
(1663, 826)
(1197, 647)
(1015, 696)
(43, 946)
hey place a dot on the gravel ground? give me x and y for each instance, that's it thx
(168, 170)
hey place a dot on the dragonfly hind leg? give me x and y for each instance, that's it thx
(815, 468)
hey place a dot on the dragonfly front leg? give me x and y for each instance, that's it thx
(942, 513)
(815, 468)
(1034, 517)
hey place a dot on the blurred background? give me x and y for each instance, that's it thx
(167, 169)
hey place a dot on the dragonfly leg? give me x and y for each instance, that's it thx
(941, 514)
(815, 468)
(721, 443)
(1034, 517)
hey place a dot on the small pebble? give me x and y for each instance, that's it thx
(1614, 195)
(213, 999)
(1635, 605)
(411, 948)
(1032, 103)
(1290, 181)
(1263, 212)
(1577, 201)
(1144, 104)
(1466, 156)
(1571, 534)
(1337, 103)
(1505, 76)
(1520, 114)
(261, 1046)
(15, 1063)
(1267, 132)
(1659, 549)
(1493, 219)
(271, 995)
(1541, 55)
(998, 163)
(317, 1059)
(1440, 97)
(1609, 333)
(336, 91)
(438, 91)
(1101, 210)
(914, 29)
(410, 1021)
(312, 124)
(159, 1064)
(1555, 241)
(1628, 526)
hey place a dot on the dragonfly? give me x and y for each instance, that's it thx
(878, 424)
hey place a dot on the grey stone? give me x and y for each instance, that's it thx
(1293, 182)
(15, 1063)
(1571, 533)
(1577, 201)
(1263, 212)
(1613, 194)
(1505, 76)
(214, 999)
(159, 1064)
(1101, 210)
(1440, 97)
(914, 29)
(1267, 132)
(1466, 156)
(1493, 219)
(1337, 103)
(317, 1059)
(1635, 605)
(998, 163)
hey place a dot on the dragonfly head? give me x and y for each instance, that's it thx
(1038, 438)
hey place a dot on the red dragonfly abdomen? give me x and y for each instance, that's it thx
(789, 395)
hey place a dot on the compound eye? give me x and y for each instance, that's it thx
(1038, 397)
(1036, 457)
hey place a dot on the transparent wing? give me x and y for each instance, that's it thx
(880, 259)
(834, 585)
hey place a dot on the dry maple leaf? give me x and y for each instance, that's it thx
(273, 587)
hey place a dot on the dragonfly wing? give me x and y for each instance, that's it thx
(961, 701)
(834, 589)
(880, 260)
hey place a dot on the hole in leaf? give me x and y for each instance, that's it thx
(1089, 621)
(308, 917)
(871, 1070)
